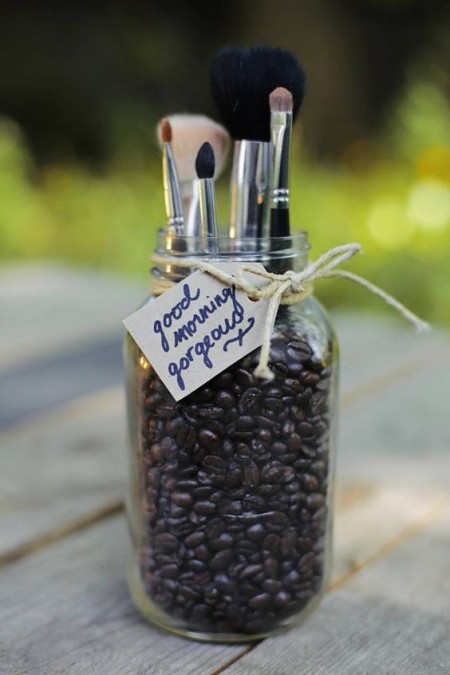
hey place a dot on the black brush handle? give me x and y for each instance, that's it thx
(279, 223)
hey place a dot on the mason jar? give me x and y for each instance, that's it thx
(230, 496)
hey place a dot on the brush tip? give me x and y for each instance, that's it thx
(166, 130)
(205, 162)
(281, 100)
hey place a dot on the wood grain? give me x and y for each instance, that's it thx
(392, 618)
(67, 610)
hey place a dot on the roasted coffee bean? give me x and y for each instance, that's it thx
(235, 483)
(181, 498)
(223, 541)
(255, 532)
(204, 508)
(225, 399)
(214, 463)
(208, 439)
(272, 585)
(221, 560)
(202, 552)
(195, 539)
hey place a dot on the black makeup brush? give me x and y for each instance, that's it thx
(241, 82)
(171, 183)
(205, 166)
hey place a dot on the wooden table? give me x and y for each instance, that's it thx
(64, 605)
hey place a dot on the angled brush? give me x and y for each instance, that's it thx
(171, 183)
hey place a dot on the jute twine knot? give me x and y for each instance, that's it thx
(286, 289)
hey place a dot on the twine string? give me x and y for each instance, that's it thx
(287, 289)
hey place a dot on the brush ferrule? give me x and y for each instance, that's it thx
(191, 208)
(208, 217)
(281, 127)
(249, 183)
(172, 195)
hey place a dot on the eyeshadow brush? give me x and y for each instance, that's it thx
(205, 166)
(281, 105)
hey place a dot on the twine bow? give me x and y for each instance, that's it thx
(290, 288)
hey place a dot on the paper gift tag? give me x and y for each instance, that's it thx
(198, 328)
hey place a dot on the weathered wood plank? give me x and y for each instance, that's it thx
(372, 347)
(401, 435)
(67, 609)
(392, 618)
(59, 470)
(48, 383)
(45, 308)
(376, 521)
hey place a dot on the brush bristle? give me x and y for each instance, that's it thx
(188, 133)
(205, 162)
(166, 130)
(241, 82)
(280, 100)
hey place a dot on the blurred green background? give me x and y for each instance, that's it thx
(82, 88)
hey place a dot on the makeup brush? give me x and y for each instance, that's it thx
(281, 104)
(205, 166)
(188, 133)
(241, 81)
(171, 184)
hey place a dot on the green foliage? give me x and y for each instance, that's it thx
(393, 198)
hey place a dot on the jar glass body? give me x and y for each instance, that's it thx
(230, 497)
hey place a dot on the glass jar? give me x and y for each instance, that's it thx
(230, 500)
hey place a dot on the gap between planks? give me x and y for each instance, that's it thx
(55, 535)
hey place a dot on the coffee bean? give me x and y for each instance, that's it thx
(202, 552)
(225, 399)
(315, 501)
(259, 601)
(208, 439)
(181, 498)
(197, 565)
(223, 541)
(214, 463)
(277, 520)
(235, 491)
(195, 539)
(221, 560)
(204, 508)
(282, 599)
(255, 532)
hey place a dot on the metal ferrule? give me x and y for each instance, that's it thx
(249, 184)
(281, 127)
(191, 208)
(172, 195)
(208, 217)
